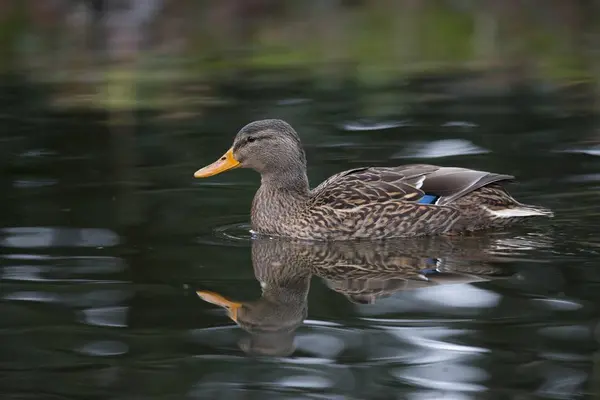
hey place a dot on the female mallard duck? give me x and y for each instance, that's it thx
(362, 271)
(363, 203)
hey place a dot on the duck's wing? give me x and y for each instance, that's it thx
(370, 185)
(422, 183)
(452, 183)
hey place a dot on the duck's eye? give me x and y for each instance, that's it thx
(251, 139)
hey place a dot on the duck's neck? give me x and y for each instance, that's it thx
(294, 291)
(287, 183)
(281, 194)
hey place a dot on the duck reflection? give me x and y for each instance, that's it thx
(361, 271)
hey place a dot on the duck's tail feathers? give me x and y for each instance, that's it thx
(521, 211)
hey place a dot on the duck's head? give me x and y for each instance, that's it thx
(267, 146)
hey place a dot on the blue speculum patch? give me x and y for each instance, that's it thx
(428, 199)
(434, 265)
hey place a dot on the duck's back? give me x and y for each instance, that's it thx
(410, 200)
(447, 184)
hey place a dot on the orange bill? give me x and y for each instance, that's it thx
(223, 164)
(217, 299)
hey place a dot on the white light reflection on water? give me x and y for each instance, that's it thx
(459, 124)
(323, 345)
(92, 299)
(465, 296)
(437, 395)
(313, 382)
(104, 348)
(559, 304)
(562, 382)
(27, 273)
(105, 316)
(29, 237)
(440, 148)
(434, 338)
(47, 273)
(372, 126)
(41, 297)
(444, 376)
(458, 299)
(33, 183)
(27, 257)
(595, 177)
(421, 345)
(317, 322)
(591, 151)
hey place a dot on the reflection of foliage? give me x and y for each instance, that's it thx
(186, 49)
(13, 25)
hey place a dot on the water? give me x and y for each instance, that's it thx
(107, 238)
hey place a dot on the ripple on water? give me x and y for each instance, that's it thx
(263, 373)
(444, 376)
(435, 338)
(222, 340)
(440, 148)
(591, 151)
(459, 124)
(105, 316)
(33, 183)
(39, 236)
(372, 126)
(237, 234)
(50, 273)
(419, 346)
(324, 345)
(438, 394)
(468, 296)
(559, 304)
(453, 301)
(104, 348)
(39, 297)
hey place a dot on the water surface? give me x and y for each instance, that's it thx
(106, 239)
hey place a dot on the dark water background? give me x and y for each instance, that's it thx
(105, 238)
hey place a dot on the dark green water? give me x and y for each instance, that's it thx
(106, 237)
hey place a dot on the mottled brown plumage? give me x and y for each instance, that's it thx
(364, 203)
(362, 271)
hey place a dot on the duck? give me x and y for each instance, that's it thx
(361, 271)
(367, 202)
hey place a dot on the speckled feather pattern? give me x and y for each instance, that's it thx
(363, 271)
(378, 203)
(280, 261)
